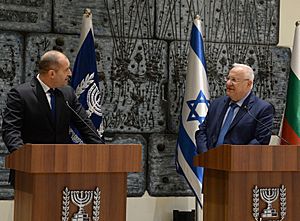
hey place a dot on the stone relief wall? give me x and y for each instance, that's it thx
(141, 49)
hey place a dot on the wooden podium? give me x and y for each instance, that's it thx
(232, 173)
(48, 176)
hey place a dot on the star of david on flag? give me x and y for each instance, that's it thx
(85, 79)
(193, 104)
(194, 109)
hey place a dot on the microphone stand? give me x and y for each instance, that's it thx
(281, 138)
(91, 129)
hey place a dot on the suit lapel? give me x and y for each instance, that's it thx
(60, 106)
(41, 96)
(248, 104)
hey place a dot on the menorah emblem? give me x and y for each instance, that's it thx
(81, 199)
(269, 195)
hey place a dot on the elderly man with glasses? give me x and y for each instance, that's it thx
(237, 118)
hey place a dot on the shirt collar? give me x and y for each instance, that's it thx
(44, 86)
(240, 102)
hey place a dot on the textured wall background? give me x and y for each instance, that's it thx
(141, 49)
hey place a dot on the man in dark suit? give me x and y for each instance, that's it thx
(238, 118)
(36, 114)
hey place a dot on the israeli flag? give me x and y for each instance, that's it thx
(85, 79)
(194, 109)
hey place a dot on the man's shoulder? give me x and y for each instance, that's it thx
(22, 88)
(66, 88)
(260, 102)
(218, 103)
(67, 91)
(220, 100)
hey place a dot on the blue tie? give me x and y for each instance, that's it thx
(52, 102)
(226, 124)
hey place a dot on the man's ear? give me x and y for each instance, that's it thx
(250, 82)
(51, 73)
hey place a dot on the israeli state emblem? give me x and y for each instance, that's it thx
(274, 203)
(94, 99)
(81, 199)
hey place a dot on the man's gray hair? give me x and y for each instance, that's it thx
(247, 68)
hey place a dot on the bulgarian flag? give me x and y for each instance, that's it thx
(291, 121)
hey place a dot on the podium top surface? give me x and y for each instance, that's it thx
(251, 158)
(76, 158)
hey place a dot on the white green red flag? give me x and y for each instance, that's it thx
(291, 121)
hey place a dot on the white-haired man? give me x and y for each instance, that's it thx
(237, 118)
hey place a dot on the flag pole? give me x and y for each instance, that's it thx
(197, 210)
(198, 206)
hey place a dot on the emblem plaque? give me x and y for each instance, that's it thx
(269, 196)
(81, 198)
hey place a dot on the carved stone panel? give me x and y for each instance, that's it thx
(11, 68)
(3, 172)
(125, 18)
(270, 64)
(11, 63)
(136, 182)
(6, 193)
(135, 85)
(163, 180)
(133, 75)
(234, 21)
(26, 15)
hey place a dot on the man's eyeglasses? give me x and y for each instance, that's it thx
(234, 80)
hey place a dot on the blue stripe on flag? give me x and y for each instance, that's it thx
(197, 44)
(189, 151)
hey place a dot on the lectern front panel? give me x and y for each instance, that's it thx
(53, 196)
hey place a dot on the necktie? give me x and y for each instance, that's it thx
(226, 124)
(52, 102)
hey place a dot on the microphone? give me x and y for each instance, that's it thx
(86, 124)
(265, 126)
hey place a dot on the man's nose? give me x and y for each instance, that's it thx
(229, 83)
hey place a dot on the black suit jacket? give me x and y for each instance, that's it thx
(27, 117)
